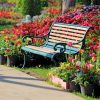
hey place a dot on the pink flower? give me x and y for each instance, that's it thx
(93, 54)
(70, 43)
(70, 59)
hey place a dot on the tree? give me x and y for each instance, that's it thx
(29, 7)
(66, 4)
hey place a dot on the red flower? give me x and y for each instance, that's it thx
(7, 38)
(6, 31)
(70, 43)
(92, 54)
(14, 37)
(8, 50)
(81, 51)
(70, 59)
(69, 68)
(18, 42)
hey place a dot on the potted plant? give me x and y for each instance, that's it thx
(2, 48)
(86, 78)
(65, 72)
(60, 75)
(12, 50)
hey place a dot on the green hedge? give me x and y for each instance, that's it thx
(29, 7)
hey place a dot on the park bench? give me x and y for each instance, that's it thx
(56, 46)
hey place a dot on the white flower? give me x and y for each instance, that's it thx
(78, 63)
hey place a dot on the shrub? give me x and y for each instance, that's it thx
(31, 7)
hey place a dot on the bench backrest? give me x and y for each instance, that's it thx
(64, 33)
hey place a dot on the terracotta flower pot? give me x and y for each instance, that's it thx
(2, 59)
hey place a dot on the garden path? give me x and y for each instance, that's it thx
(16, 85)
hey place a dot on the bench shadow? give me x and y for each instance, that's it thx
(6, 79)
(22, 78)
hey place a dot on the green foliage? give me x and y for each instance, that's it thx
(85, 79)
(63, 71)
(18, 5)
(2, 45)
(44, 3)
(2, 27)
(3, 0)
(29, 7)
(4, 21)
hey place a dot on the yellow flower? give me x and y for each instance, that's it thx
(98, 70)
(29, 39)
(64, 65)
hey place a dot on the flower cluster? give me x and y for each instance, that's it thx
(10, 43)
(36, 28)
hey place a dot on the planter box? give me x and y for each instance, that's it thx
(56, 80)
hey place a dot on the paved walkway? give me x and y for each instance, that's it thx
(16, 85)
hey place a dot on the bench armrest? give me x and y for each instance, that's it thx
(78, 42)
(62, 50)
(32, 37)
(27, 36)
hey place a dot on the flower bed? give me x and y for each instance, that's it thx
(88, 16)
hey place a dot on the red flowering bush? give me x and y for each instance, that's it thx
(36, 28)
(11, 43)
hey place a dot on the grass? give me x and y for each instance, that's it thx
(86, 97)
(39, 72)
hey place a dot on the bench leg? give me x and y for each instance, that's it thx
(58, 57)
(24, 64)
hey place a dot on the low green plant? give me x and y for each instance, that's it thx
(65, 71)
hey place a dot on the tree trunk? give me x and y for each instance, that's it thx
(66, 4)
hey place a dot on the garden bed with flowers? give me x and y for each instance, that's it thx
(82, 70)
(7, 14)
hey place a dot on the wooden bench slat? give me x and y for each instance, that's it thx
(70, 26)
(67, 47)
(56, 41)
(63, 39)
(69, 30)
(67, 33)
(42, 49)
(65, 36)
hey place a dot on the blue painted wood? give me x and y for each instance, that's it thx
(37, 52)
